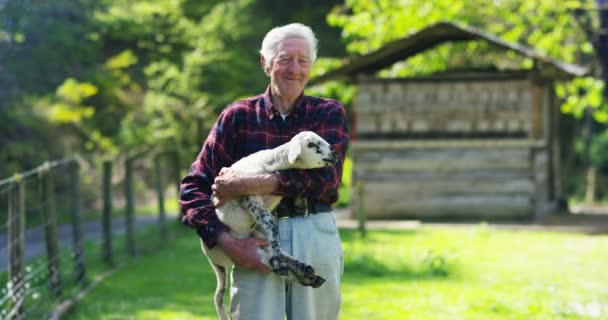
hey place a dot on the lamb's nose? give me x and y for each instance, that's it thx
(334, 156)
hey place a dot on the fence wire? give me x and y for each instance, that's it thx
(65, 218)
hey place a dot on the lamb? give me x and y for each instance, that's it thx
(306, 150)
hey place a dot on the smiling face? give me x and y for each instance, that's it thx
(289, 70)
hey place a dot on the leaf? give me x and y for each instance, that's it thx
(73, 92)
(122, 60)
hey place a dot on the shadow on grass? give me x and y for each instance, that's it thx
(381, 262)
(432, 266)
(349, 235)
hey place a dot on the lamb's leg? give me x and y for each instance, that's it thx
(218, 299)
(270, 229)
(280, 262)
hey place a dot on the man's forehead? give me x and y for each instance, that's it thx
(291, 45)
(283, 53)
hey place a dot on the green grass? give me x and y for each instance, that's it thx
(476, 273)
(39, 301)
(345, 186)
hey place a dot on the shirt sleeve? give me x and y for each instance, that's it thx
(195, 202)
(321, 184)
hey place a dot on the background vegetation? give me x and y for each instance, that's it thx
(103, 77)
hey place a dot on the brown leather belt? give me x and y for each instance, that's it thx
(299, 207)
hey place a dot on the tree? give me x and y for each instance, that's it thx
(107, 76)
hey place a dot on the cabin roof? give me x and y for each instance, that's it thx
(436, 34)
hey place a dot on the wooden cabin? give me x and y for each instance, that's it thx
(457, 145)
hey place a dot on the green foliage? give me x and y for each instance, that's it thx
(548, 28)
(599, 151)
(69, 109)
(109, 76)
(346, 184)
(44, 42)
(582, 93)
(367, 25)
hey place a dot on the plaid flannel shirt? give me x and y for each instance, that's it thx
(254, 124)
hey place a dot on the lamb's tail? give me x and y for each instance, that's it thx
(218, 300)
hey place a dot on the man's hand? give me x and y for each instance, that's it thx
(243, 252)
(227, 186)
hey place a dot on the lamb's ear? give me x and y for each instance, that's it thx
(295, 149)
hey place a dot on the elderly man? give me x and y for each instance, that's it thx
(307, 228)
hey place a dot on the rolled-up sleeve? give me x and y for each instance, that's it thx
(321, 184)
(195, 200)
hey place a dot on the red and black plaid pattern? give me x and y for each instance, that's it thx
(254, 124)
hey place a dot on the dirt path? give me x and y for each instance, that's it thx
(589, 220)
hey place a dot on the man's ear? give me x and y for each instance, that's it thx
(264, 66)
(295, 149)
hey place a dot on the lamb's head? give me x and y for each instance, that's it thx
(307, 150)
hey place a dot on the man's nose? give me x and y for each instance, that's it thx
(293, 66)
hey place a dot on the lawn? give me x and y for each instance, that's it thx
(429, 273)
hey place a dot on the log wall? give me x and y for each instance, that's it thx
(454, 149)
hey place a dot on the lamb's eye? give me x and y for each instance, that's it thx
(311, 145)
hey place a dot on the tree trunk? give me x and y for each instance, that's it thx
(591, 185)
(590, 177)
(602, 46)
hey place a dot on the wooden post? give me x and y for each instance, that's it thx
(79, 263)
(160, 196)
(50, 231)
(16, 240)
(107, 213)
(130, 206)
(361, 209)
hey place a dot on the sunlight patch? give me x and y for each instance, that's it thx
(155, 314)
(591, 309)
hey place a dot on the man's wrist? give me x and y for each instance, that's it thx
(224, 238)
(265, 183)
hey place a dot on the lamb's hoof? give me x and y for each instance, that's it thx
(308, 271)
(317, 282)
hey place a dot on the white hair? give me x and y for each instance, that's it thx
(295, 30)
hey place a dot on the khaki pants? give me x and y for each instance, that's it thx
(314, 240)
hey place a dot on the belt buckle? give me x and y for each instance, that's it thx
(301, 206)
(278, 212)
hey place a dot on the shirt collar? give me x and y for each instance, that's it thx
(274, 112)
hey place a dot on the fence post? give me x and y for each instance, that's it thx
(16, 240)
(130, 206)
(50, 232)
(107, 213)
(361, 209)
(79, 263)
(161, 200)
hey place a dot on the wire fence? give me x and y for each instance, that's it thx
(69, 219)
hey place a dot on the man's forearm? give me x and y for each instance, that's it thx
(260, 183)
(229, 185)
